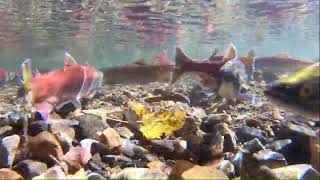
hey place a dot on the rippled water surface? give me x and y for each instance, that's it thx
(110, 32)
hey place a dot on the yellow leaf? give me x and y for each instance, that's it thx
(154, 126)
(81, 174)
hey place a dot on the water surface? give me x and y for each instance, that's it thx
(111, 32)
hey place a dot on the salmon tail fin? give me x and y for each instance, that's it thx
(180, 60)
(26, 74)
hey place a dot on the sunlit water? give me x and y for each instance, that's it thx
(111, 32)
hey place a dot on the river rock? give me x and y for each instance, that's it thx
(54, 172)
(270, 158)
(301, 136)
(43, 145)
(124, 132)
(252, 169)
(64, 134)
(110, 138)
(30, 168)
(132, 150)
(139, 173)
(169, 148)
(213, 119)
(248, 133)
(227, 167)
(203, 172)
(118, 160)
(216, 145)
(315, 152)
(6, 131)
(180, 167)
(6, 173)
(280, 145)
(76, 158)
(95, 176)
(253, 145)
(89, 125)
(298, 171)
(159, 165)
(8, 149)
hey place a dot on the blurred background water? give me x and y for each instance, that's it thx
(112, 32)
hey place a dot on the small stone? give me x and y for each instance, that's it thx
(6, 131)
(95, 176)
(298, 171)
(139, 173)
(132, 150)
(43, 145)
(6, 173)
(30, 168)
(124, 132)
(89, 125)
(271, 159)
(110, 138)
(248, 133)
(315, 152)
(64, 134)
(87, 143)
(76, 158)
(254, 123)
(253, 145)
(159, 165)
(120, 161)
(279, 145)
(95, 163)
(213, 119)
(180, 167)
(301, 136)
(269, 131)
(8, 149)
(227, 167)
(55, 172)
(169, 148)
(203, 172)
(216, 145)
(251, 168)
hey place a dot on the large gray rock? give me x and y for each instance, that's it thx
(8, 149)
(30, 168)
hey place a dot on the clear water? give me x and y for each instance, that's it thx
(111, 32)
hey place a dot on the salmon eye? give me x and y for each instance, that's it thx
(305, 91)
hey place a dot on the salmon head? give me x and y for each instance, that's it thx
(56, 87)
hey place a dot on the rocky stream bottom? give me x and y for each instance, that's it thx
(216, 140)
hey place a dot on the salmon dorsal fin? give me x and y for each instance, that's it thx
(231, 53)
(69, 60)
(214, 53)
(252, 53)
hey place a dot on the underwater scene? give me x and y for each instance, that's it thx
(159, 89)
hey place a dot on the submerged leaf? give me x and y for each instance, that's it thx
(156, 125)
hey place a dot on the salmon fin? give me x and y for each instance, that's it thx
(69, 60)
(252, 53)
(27, 74)
(282, 55)
(231, 53)
(44, 109)
(214, 53)
(180, 60)
(176, 75)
